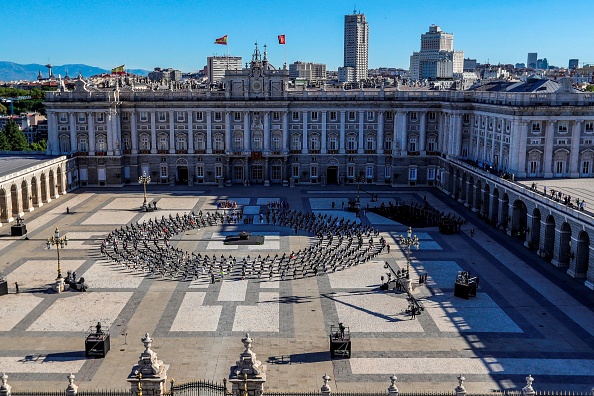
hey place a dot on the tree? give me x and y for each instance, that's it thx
(3, 109)
(39, 146)
(3, 141)
(15, 137)
(590, 88)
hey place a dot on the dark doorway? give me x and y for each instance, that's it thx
(332, 175)
(182, 175)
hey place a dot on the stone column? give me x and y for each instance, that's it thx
(324, 133)
(286, 130)
(485, 134)
(342, 138)
(247, 144)
(172, 132)
(266, 179)
(153, 133)
(134, 134)
(267, 132)
(440, 133)
(190, 115)
(458, 133)
(477, 150)
(361, 133)
(110, 128)
(72, 119)
(150, 374)
(304, 147)
(228, 133)
(209, 132)
(503, 129)
(574, 155)
(380, 132)
(91, 123)
(423, 132)
(514, 145)
(521, 171)
(548, 149)
(117, 130)
(53, 146)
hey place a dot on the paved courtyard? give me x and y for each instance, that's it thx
(528, 317)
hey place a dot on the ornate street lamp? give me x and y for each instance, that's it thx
(144, 180)
(410, 240)
(59, 242)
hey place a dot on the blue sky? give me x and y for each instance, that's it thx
(180, 33)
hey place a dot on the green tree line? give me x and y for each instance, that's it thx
(13, 139)
(22, 106)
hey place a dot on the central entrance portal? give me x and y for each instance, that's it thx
(182, 175)
(332, 175)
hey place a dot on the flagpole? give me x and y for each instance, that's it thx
(285, 53)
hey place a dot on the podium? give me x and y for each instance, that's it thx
(97, 345)
(465, 286)
(340, 341)
(18, 230)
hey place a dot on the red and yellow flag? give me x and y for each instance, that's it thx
(221, 40)
(282, 39)
(119, 70)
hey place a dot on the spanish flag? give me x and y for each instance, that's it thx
(221, 40)
(281, 39)
(119, 70)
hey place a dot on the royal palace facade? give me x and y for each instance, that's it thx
(259, 130)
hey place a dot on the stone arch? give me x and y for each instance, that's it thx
(505, 217)
(14, 199)
(535, 229)
(4, 207)
(34, 192)
(519, 220)
(44, 197)
(495, 206)
(25, 196)
(52, 184)
(59, 181)
(470, 193)
(549, 237)
(579, 266)
(564, 254)
(462, 195)
(477, 195)
(487, 201)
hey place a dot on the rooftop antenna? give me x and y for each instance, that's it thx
(355, 8)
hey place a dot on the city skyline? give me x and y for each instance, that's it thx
(145, 35)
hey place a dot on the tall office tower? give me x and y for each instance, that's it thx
(532, 58)
(574, 63)
(437, 58)
(217, 65)
(356, 45)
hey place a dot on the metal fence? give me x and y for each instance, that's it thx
(97, 392)
(198, 388)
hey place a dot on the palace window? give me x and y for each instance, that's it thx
(314, 115)
(143, 116)
(313, 171)
(387, 172)
(430, 173)
(586, 168)
(163, 142)
(333, 116)
(126, 143)
(276, 143)
(413, 116)
(559, 167)
(333, 142)
(162, 116)
(535, 127)
(562, 127)
(163, 172)
(467, 119)
(200, 143)
(83, 144)
(412, 144)
(389, 116)
(432, 116)
(276, 116)
(125, 116)
(295, 142)
(218, 170)
(589, 126)
(431, 144)
(82, 117)
(352, 116)
(314, 142)
(145, 142)
(219, 142)
(237, 116)
(218, 116)
(369, 172)
(63, 118)
(100, 117)
(181, 142)
(295, 116)
(200, 170)
(370, 116)
(412, 174)
(295, 170)
(257, 143)
(351, 142)
(370, 143)
(238, 143)
(181, 116)
(388, 143)
(350, 171)
(199, 116)
(100, 143)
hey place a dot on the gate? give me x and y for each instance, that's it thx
(198, 388)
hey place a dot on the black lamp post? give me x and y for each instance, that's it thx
(144, 180)
(59, 242)
(408, 241)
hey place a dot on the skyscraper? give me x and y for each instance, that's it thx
(574, 63)
(532, 58)
(437, 58)
(356, 45)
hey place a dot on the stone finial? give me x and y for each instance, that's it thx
(247, 363)
(150, 372)
(325, 388)
(528, 390)
(460, 390)
(148, 342)
(5, 388)
(247, 342)
(72, 388)
(393, 389)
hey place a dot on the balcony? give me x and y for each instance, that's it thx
(218, 151)
(369, 151)
(295, 151)
(181, 151)
(100, 153)
(332, 151)
(163, 152)
(145, 151)
(127, 152)
(413, 153)
(388, 152)
(314, 151)
(351, 151)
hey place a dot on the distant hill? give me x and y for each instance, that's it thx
(10, 71)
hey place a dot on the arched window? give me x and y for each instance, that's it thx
(276, 142)
(296, 142)
(370, 142)
(314, 142)
(181, 142)
(83, 143)
(200, 142)
(352, 142)
(333, 142)
(145, 142)
(163, 142)
(101, 143)
(219, 142)
(64, 143)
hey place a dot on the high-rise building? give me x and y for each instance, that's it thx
(437, 58)
(356, 45)
(542, 64)
(469, 64)
(216, 66)
(307, 71)
(532, 58)
(574, 63)
(165, 74)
